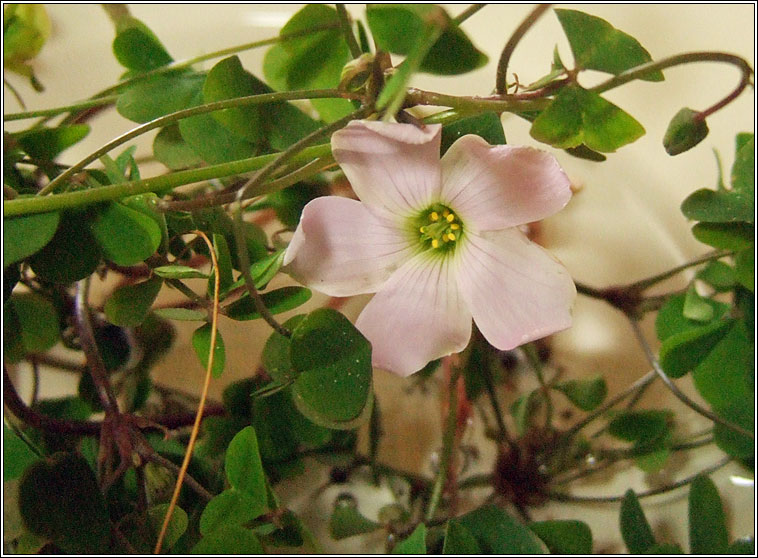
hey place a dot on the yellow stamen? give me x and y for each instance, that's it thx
(451, 236)
(434, 216)
(455, 226)
(445, 213)
(422, 230)
(435, 243)
(450, 217)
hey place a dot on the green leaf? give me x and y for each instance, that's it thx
(684, 132)
(742, 413)
(24, 236)
(696, 307)
(137, 48)
(718, 275)
(262, 271)
(310, 61)
(47, 143)
(276, 301)
(289, 202)
(159, 95)
(170, 149)
(211, 141)
(276, 354)
(727, 236)
(722, 206)
(181, 314)
(459, 540)
(59, 499)
(243, 466)
(176, 526)
(38, 322)
(726, 373)
(745, 545)
(744, 268)
(398, 27)
(578, 116)
(683, 351)
(231, 507)
(597, 45)
(496, 532)
(225, 270)
(201, 342)
(564, 536)
(707, 525)
(671, 320)
(231, 539)
(129, 305)
(486, 125)
(179, 272)
(415, 543)
(334, 361)
(655, 459)
(635, 530)
(17, 455)
(640, 426)
(228, 80)
(346, 521)
(585, 394)
(71, 254)
(126, 236)
(743, 169)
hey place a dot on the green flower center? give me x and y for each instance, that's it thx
(438, 228)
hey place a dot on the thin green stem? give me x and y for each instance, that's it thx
(81, 198)
(563, 497)
(186, 113)
(488, 384)
(347, 31)
(676, 391)
(61, 110)
(394, 93)
(510, 46)
(254, 183)
(467, 13)
(534, 360)
(686, 58)
(650, 281)
(183, 64)
(448, 440)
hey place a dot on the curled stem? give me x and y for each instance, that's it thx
(510, 46)
(249, 100)
(686, 58)
(467, 13)
(676, 391)
(203, 396)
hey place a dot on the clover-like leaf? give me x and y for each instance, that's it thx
(334, 363)
(597, 45)
(707, 524)
(496, 532)
(635, 529)
(578, 116)
(129, 305)
(346, 521)
(280, 300)
(564, 536)
(24, 236)
(126, 236)
(486, 125)
(201, 343)
(586, 394)
(159, 95)
(415, 543)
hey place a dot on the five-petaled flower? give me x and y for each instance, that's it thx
(437, 241)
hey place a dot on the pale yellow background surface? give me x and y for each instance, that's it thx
(623, 225)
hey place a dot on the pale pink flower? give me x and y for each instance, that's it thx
(437, 241)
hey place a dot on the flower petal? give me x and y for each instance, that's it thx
(342, 249)
(390, 166)
(416, 317)
(516, 291)
(501, 186)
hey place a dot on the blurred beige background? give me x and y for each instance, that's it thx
(624, 224)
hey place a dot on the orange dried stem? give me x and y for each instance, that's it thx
(203, 396)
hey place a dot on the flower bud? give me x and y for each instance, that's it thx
(684, 132)
(356, 73)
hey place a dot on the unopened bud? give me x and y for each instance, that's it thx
(356, 73)
(685, 131)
